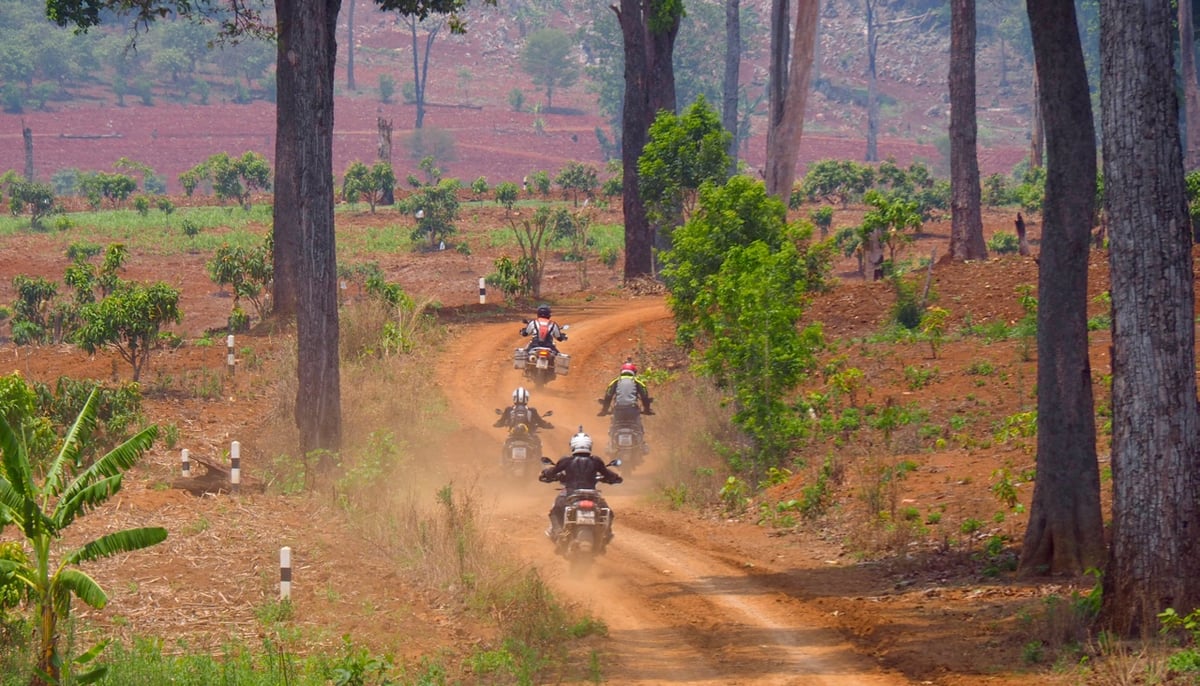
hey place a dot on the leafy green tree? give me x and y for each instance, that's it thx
(480, 188)
(31, 197)
(683, 153)
(43, 512)
(540, 181)
(371, 183)
(756, 349)
(233, 178)
(101, 186)
(247, 270)
(506, 193)
(548, 58)
(436, 210)
(837, 181)
(35, 295)
(738, 213)
(577, 178)
(129, 320)
(893, 221)
(532, 233)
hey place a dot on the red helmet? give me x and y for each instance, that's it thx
(629, 368)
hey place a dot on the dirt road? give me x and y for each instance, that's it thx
(679, 608)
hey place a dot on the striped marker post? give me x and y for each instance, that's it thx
(229, 353)
(235, 466)
(482, 291)
(187, 463)
(285, 573)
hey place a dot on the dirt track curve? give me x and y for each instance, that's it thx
(680, 610)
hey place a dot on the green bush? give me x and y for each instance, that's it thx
(1003, 242)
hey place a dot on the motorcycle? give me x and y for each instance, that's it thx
(542, 364)
(587, 525)
(520, 447)
(626, 438)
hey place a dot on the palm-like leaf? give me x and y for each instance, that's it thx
(83, 586)
(112, 464)
(79, 500)
(125, 541)
(69, 454)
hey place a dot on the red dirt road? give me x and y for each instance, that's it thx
(680, 608)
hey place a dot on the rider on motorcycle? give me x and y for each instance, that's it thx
(579, 470)
(543, 331)
(622, 396)
(520, 412)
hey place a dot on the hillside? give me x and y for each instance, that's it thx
(469, 85)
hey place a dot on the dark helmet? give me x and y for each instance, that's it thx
(543, 310)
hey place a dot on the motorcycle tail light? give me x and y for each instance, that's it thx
(586, 504)
(544, 353)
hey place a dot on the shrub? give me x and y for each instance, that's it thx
(1003, 242)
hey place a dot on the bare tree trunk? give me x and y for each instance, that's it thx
(385, 155)
(27, 135)
(1191, 89)
(649, 87)
(1037, 133)
(872, 84)
(786, 124)
(1156, 422)
(966, 221)
(733, 61)
(304, 230)
(350, 46)
(1065, 534)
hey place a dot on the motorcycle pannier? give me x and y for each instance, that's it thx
(562, 364)
(519, 357)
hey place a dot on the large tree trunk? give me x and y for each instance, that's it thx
(733, 62)
(649, 87)
(1037, 131)
(966, 222)
(1156, 422)
(304, 230)
(872, 84)
(786, 121)
(1191, 89)
(1065, 534)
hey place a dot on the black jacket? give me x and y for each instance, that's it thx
(580, 471)
(532, 418)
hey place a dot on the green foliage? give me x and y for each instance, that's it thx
(43, 512)
(479, 187)
(822, 218)
(893, 221)
(249, 271)
(834, 181)
(1003, 242)
(36, 199)
(1032, 190)
(387, 88)
(129, 320)
(933, 328)
(577, 178)
(547, 58)
(31, 310)
(907, 310)
(682, 153)
(540, 181)
(436, 210)
(118, 411)
(513, 278)
(919, 377)
(101, 186)
(232, 178)
(369, 183)
(516, 99)
(506, 194)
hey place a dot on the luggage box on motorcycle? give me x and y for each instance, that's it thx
(520, 355)
(562, 364)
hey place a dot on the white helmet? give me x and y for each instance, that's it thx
(581, 443)
(520, 396)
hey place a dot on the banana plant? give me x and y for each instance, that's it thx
(43, 511)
